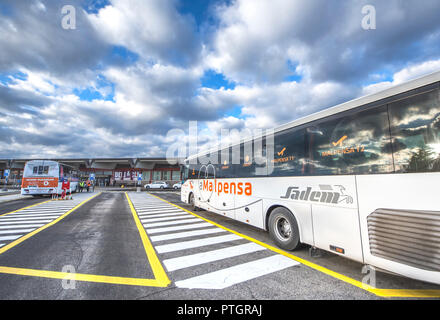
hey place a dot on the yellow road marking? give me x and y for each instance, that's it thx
(27, 236)
(161, 279)
(379, 292)
(81, 277)
(156, 266)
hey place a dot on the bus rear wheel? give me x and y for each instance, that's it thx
(283, 229)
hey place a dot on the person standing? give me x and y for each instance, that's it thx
(66, 188)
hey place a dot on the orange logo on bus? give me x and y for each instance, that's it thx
(227, 187)
(340, 141)
(281, 153)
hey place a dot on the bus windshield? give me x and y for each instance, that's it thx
(41, 168)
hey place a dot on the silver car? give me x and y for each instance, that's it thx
(157, 185)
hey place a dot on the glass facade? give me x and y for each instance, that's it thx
(175, 175)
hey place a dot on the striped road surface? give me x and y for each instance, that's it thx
(198, 254)
(19, 223)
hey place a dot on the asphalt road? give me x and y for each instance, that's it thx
(100, 238)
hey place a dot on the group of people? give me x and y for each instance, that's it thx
(67, 192)
(88, 185)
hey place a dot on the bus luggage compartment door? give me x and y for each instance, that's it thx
(336, 222)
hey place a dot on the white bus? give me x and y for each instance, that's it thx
(361, 179)
(45, 177)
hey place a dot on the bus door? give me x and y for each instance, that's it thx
(214, 193)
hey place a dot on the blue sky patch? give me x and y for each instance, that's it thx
(5, 9)
(234, 112)
(121, 55)
(293, 76)
(105, 90)
(214, 80)
(7, 78)
(93, 6)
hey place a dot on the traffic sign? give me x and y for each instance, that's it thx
(92, 176)
(6, 174)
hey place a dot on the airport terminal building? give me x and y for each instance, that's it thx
(107, 171)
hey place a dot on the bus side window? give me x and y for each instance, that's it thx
(415, 131)
(193, 171)
(289, 153)
(351, 143)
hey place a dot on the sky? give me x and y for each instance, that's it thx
(131, 76)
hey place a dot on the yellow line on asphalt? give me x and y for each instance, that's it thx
(27, 236)
(81, 277)
(156, 266)
(33, 205)
(379, 292)
(161, 277)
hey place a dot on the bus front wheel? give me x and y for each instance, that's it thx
(192, 202)
(283, 229)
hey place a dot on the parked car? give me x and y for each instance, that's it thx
(177, 185)
(157, 185)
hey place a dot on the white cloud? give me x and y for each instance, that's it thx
(406, 74)
(254, 43)
(151, 28)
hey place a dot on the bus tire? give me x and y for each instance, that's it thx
(283, 229)
(192, 202)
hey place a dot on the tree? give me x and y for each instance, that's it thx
(422, 160)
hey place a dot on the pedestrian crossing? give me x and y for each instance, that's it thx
(17, 224)
(198, 254)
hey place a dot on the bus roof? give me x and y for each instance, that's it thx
(395, 90)
(40, 162)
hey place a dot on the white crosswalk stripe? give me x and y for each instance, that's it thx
(24, 222)
(170, 223)
(9, 238)
(243, 272)
(32, 215)
(178, 228)
(180, 217)
(159, 211)
(194, 243)
(172, 214)
(18, 223)
(210, 256)
(21, 226)
(16, 231)
(23, 219)
(186, 234)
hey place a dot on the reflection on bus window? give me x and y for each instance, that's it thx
(351, 144)
(225, 169)
(289, 153)
(415, 128)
